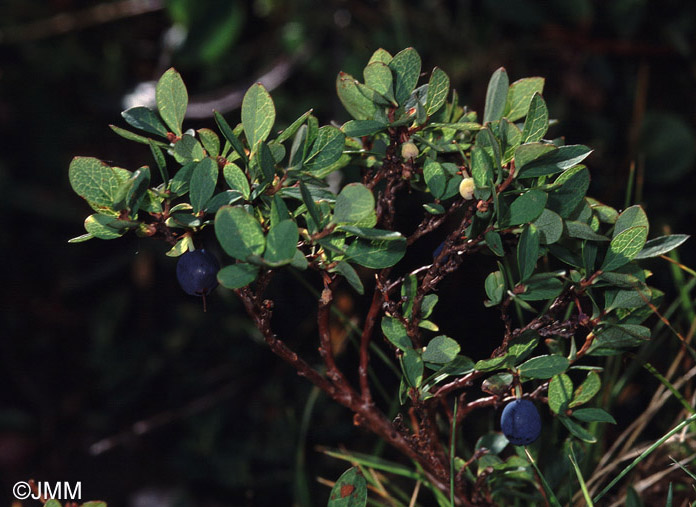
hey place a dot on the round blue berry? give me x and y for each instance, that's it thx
(197, 272)
(520, 422)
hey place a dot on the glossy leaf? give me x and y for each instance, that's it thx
(131, 192)
(550, 227)
(494, 242)
(348, 272)
(357, 105)
(104, 226)
(624, 247)
(434, 177)
(543, 367)
(524, 209)
(376, 254)
(537, 121)
(577, 431)
(412, 366)
(370, 233)
(146, 119)
(188, 149)
(172, 100)
(239, 234)
(203, 182)
(281, 243)
(210, 140)
(236, 276)
(395, 332)
(633, 216)
(662, 245)
(405, 65)
(520, 95)
(573, 186)
(230, 136)
(236, 179)
(495, 288)
(496, 96)
(553, 161)
(95, 181)
(611, 339)
(359, 128)
(258, 114)
(440, 350)
(326, 149)
(593, 415)
(378, 76)
(583, 231)
(560, 393)
(354, 203)
(527, 251)
(587, 390)
(438, 89)
(482, 172)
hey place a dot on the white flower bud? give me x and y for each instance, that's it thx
(466, 188)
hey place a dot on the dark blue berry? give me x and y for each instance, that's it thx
(197, 272)
(438, 251)
(520, 422)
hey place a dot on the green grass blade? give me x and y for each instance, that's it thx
(581, 480)
(551, 497)
(644, 455)
(669, 386)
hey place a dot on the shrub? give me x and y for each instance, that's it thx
(564, 270)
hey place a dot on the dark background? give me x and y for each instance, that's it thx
(110, 374)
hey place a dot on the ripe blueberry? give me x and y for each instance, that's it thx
(520, 422)
(197, 272)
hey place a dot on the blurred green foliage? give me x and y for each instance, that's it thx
(96, 339)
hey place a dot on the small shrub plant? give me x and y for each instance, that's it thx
(563, 268)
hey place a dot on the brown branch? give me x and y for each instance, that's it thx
(370, 321)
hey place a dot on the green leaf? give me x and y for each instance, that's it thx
(583, 231)
(435, 178)
(494, 242)
(441, 350)
(378, 76)
(371, 234)
(354, 203)
(395, 332)
(522, 345)
(326, 149)
(577, 431)
(203, 181)
(405, 65)
(662, 245)
(550, 227)
(520, 95)
(104, 226)
(495, 288)
(179, 184)
(537, 122)
(311, 206)
(292, 129)
(359, 128)
(560, 393)
(188, 149)
(236, 276)
(611, 339)
(498, 384)
(492, 364)
(593, 415)
(633, 216)
(524, 209)
(357, 105)
(131, 192)
(438, 88)
(211, 142)
(144, 118)
(172, 100)
(527, 251)
(553, 161)
(624, 247)
(542, 288)
(266, 162)
(281, 243)
(543, 367)
(574, 184)
(376, 254)
(350, 490)
(496, 96)
(527, 153)
(221, 199)
(240, 235)
(160, 161)
(236, 179)
(351, 276)
(95, 181)
(412, 366)
(230, 136)
(587, 390)
(132, 136)
(428, 304)
(482, 172)
(258, 114)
